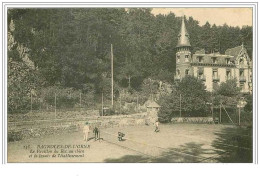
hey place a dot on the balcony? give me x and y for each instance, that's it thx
(215, 79)
(242, 79)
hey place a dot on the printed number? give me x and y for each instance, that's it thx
(26, 146)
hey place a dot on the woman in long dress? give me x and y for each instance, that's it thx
(86, 131)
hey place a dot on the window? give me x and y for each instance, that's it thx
(178, 72)
(228, 74)
(241, 61)
(241, 72)
(227, 60)
(178, 58)
(200, 70)
(200, 59)
(201, 73)
(242, 77)
(186, 58)
(186, 71)
(215, 75)
(214, 60)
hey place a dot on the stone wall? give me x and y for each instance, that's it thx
(16, 133)
(192, 120)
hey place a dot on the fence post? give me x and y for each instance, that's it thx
(80, 100)
(31, 102)
(180, 105)
(102, 106)
(55, 105)
(212, 107)
(220, 113)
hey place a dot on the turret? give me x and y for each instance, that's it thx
(183, 53)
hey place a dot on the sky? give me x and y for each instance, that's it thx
(219, 16)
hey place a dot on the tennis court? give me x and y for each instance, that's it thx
(177, 143)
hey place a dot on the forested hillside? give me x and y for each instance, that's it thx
(70, 48)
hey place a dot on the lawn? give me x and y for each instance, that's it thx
(185, 143)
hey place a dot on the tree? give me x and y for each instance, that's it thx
(227, 93)
(70, 48)
(228, 88)
(249, 103)
(193, 93)
(189, 95)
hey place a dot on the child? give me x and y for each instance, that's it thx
(156, 127)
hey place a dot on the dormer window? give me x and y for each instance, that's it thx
(200, 59)
(227, 60)
(186, 58)
(214, 60)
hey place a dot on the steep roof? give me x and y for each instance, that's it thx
(183, 37)
(208, 58)
(234, 51)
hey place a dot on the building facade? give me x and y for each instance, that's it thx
(213, 68)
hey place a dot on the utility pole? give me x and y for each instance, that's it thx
(212, 107)
(120, 102)
(102, 105)
(80, 100)
(31, 102)
(129, 81)
(180, 105)
(220, 112)
(112, 77)
(239, 112)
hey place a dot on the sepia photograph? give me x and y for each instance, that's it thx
(130, 84)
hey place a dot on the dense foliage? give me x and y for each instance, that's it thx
(70, 48)
(189, 96)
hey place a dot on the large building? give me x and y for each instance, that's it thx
(213, 68)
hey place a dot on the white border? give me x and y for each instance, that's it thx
(133, 176)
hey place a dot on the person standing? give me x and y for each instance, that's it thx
(156, 127)
(96, 132)
(86, 131)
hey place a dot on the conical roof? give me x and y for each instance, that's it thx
(183, 37)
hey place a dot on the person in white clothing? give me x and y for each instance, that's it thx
(156, 127)
(86, 129)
